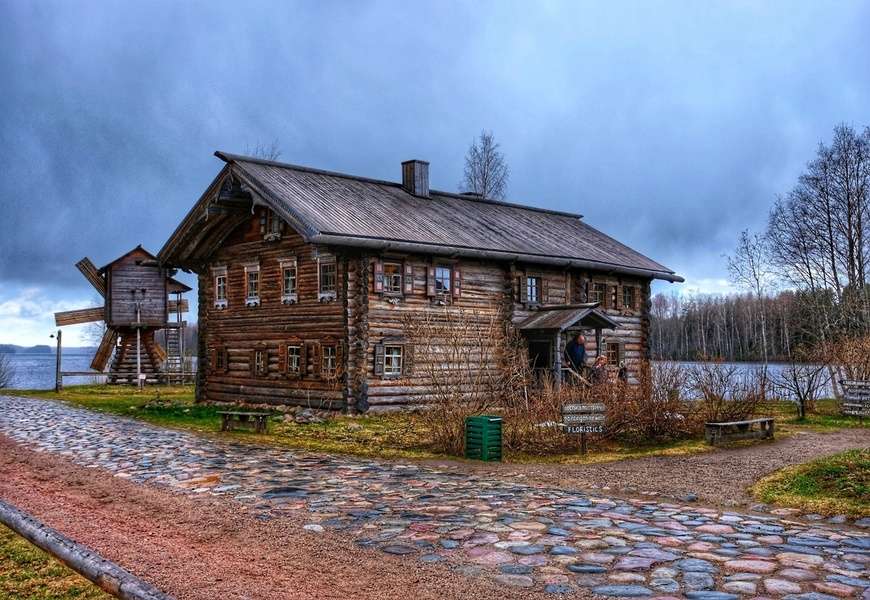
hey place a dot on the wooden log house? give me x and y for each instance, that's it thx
(309, 281)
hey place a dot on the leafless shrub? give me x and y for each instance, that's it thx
(654, 409)
(850, 357)
(726, 392)
(453, 355)
(802, 379)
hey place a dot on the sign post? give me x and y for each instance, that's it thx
(583, 419)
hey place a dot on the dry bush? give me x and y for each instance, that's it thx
(654, 409)
(851, 358)
(453, 355)
(726, 392)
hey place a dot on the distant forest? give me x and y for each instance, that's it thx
(13, 349)
(733, 327)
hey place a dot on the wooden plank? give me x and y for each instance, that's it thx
(91, 273)
(173, 306)
(582, 408)
(82, 315)
(587, 418)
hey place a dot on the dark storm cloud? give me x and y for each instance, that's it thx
(671, 125)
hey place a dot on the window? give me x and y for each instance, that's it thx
(532, 289)
(293, 358)
(393, 278)
(271, 225)
(614, 352)
(393, 358)
(220, 287)
(288, 281)
(294, 365)
(443, 282)
(629, 296)
(220, 362)
(599, 291)
(260, 361)
(252, 284)
(328, 361)
(327, 278)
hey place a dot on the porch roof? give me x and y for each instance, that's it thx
(562, 317)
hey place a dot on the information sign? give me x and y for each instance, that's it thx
(584, 429)
(587, 418)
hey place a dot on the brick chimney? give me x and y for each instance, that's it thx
(415, 177)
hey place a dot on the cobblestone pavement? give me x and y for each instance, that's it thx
(556, 539)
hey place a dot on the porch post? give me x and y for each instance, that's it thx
(557, 358)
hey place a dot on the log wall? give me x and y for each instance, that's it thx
(364, 315)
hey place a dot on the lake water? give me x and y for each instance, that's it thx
(37, 371)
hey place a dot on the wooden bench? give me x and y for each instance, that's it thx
(718, 433)
(856, 398)
(246, 420)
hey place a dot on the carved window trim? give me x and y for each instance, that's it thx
(252, 284)
(293, 358)
(289, 269)
(327, 278)
(220, 283)
(393, 358)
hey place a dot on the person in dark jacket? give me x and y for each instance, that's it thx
(575, 353)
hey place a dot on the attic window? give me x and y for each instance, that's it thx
(271, 226)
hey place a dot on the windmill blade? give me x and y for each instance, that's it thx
(160, 352)
(104, 352)
(83, 315)
(92, 274)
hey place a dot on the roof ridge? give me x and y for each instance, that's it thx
(229, 158)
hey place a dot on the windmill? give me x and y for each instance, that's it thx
(136, 305)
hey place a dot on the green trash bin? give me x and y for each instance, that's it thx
(483, 438)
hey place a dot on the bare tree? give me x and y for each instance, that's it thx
(816, 234)
(486, 172)
(749, 268)
(265, 151)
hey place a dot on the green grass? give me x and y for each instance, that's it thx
(838, 484)
(28, 573)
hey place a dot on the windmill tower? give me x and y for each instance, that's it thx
(137, 305)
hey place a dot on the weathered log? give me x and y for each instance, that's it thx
(87, 563)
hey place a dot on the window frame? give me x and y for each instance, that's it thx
(285, 265)
(220, 285)
(260, 360)
(284, 358)
(320, 355)
(324, 262)
(441, 272)
(252, 284)
(406, 356)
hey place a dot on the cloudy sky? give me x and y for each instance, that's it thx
(670, 125)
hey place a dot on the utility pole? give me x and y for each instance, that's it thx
(58, 380)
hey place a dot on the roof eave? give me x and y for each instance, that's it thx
(486, 254)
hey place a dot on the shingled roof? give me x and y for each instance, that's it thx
(341, 210)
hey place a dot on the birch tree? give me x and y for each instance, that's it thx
(486, 171)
